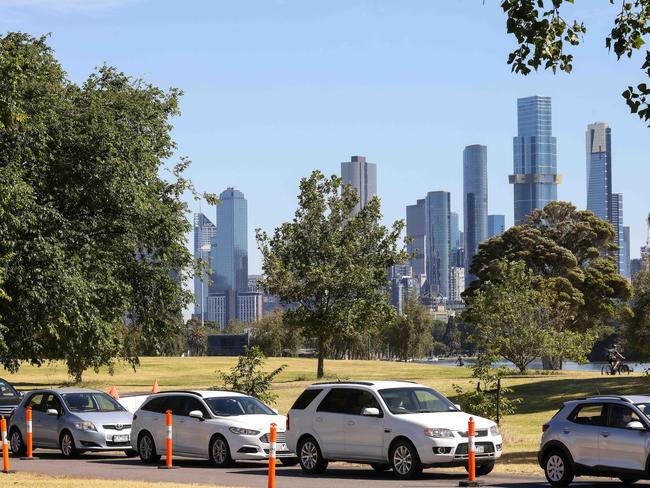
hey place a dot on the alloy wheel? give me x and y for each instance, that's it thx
(16, 442)
(402, 460)
(555, 467)
(67, 445)
(146, 447)
(219, 451)
(309, 455)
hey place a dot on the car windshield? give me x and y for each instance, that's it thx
(91, 402)
(415, 400)
(239, 405)
(645, 408)
(7, 390)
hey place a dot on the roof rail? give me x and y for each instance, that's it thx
(366, 383)
(191, 392)
(616, 397)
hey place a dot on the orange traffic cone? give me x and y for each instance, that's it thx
(155, 388)
(113, 392)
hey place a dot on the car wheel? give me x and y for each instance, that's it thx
(66, 443)
(220, 452)
(557, 469)
(147, 449)
(405, 460)
(483, 469)
(130, 453)
(628, 481)
(16, 443)
(289, 461)
(310, 456)
(380, 466)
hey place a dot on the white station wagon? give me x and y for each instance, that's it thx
(387, 424)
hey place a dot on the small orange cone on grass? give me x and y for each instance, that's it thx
(113, 392)
(155, 388)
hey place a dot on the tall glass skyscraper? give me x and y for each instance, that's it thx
(535, 177)
(617, 222)
(204, 233)
(436, 213)
(475, 202)
(362, 176)
(599, 170)
(455, 230)
(496, 225)
(230, 254)
(416, 231)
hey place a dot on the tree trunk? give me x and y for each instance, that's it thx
(551, 363)
(321, 359)
(78, 374)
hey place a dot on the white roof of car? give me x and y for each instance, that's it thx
(377, 385)
(218, 393)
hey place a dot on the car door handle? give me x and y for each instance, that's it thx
(319, 419)
(566, 431)
(605, 434)
(351, 422)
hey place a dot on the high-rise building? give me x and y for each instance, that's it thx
(456, 283)
(416, 230)
(635, 267)
(204, 232)
(437, 209)
(249, 306)
(625, 270)
(402, 284)
(496, 225)
(231, 252)
(599, 170)
(617, 221)
(454, 226)
(535, 177)
(475, 202)
(362, 176)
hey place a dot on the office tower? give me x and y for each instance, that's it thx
(475, 202)
(617, 222)
(535, 177)
(362, 176)
(249, 306)
(454, 230)
(231, 253)
(402, 284)
(456, 283)
(635, 267)
(599, 170)
(204, 232)
(416, 230)
(436, 214)
(625, 270)
(253, 283)
(496, 225)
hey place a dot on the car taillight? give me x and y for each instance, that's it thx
(287, 421)
(544, 427)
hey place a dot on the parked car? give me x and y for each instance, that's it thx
(73, 420)
(597, 436)
(223, 426)
(387, 424)
(9, 398)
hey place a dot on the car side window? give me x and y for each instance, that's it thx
(53, 402)
(175, 403)
(191, 404)
(360, 399)
(6, 390)
(156, 405)
(619, 416)
(305, 398)
(35, 401)
(335, 401)
(589, 414)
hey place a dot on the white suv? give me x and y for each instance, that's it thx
(387, 424)
(223, 426)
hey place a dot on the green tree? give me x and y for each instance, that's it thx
(96, 238)
(544, 38)
(196, 340)
(248, 377)
(638, 327)
(331, 263)
(517, 319)
(274, 337)
(410, 335)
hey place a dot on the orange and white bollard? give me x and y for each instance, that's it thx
(5, 447)
(471, 457)
(272, 448)
(169, 442)
(28, 416)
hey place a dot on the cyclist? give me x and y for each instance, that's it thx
(614, 358)
(460, 361)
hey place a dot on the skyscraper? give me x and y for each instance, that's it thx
(475, 202)
(204, 232)
(436, 214)
(625, 270)
(496, 225)
(535, 177)
(231, 250)
(362, 176)
(599, 170)
(416, 230)
(617, 222)
(454, 226)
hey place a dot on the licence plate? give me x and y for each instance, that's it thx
(120, 438)
(281, 447)
(480, 449)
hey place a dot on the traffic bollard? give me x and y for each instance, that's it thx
(28, 416)
(5, 447)
(471, 457)
(168, 455)
(272, 444)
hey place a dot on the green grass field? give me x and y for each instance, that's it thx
(542, 395)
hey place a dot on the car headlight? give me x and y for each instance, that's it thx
(240, 431)
(85, 426)
(438, 433)
(494, 430)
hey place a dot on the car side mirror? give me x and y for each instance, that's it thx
(635, 425)
(370, 412)
(457, 406)
(197, 414)
(275, 411)
(53, 412)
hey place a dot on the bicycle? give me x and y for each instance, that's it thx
(618, 369)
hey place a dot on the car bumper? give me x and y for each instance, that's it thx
(453, 452)
(103, 440)
(251, 448)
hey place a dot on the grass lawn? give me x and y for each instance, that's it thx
(29, 480)
(542, 395)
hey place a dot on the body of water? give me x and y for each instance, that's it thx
(537, 365)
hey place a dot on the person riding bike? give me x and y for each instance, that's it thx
(614, 358)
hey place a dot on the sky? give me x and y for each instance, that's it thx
(274, 89)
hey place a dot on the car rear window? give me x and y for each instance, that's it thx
(305, 398)
(588, 414)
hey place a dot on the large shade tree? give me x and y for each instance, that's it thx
(331, 263)
(92, 237)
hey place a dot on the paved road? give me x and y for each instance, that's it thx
(118, 467)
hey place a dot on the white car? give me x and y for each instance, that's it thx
(223, 426)
(387, 424)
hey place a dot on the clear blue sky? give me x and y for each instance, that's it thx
(274, 89)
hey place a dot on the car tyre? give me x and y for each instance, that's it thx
(483, 469)
(292, 461)
(130, 453)
(627, 481)
(380, 467)
(558, 469)
(147, 448)
(220, 452)
(18, 447)
(310, 456)
(405, 460)
(67, 445)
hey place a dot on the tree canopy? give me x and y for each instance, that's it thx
(331, 263)
(410, 334)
